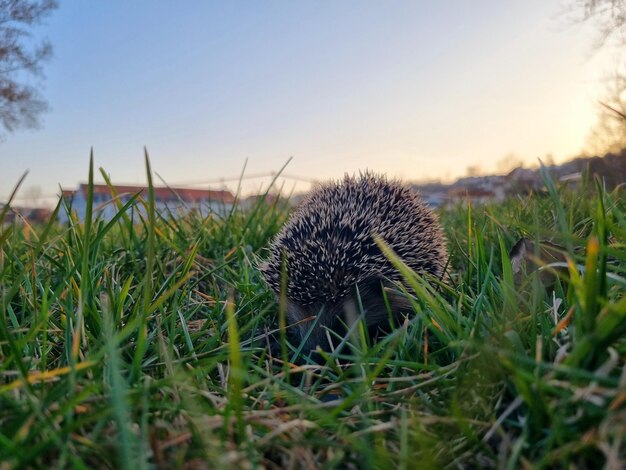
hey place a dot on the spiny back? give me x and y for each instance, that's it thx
(328, 243)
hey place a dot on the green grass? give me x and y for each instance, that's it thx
(145, 345)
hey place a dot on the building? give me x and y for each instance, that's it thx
(475, 195)
(32, 215)
(169, 202)
(433, 194)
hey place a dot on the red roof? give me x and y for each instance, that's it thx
(186, 194)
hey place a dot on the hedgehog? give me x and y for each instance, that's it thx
(333, 266)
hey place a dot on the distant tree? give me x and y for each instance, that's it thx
(473, 170)
(508, 163)
(21, 103)
(609, 17)
(609, 133)
(32, 195)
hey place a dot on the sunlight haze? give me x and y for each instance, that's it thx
(419, 90)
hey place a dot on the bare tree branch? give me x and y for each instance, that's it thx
(21, 104)
(609, 16)
(610, 108)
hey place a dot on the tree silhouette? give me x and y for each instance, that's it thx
(608, 135)
(21, 103)
(609, 16)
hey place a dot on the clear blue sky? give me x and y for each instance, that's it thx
(417, 89)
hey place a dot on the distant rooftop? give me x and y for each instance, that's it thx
(161, 192)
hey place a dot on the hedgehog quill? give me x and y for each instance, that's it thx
(331, 259)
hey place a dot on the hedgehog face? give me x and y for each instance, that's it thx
(325, 324)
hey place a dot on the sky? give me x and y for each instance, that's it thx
(415, 89)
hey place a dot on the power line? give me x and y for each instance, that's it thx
(246, 177)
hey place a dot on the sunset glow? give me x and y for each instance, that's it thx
(419, 90)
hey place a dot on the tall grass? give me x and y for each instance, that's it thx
(144, 342)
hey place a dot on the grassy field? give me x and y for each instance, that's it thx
(146, 345)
